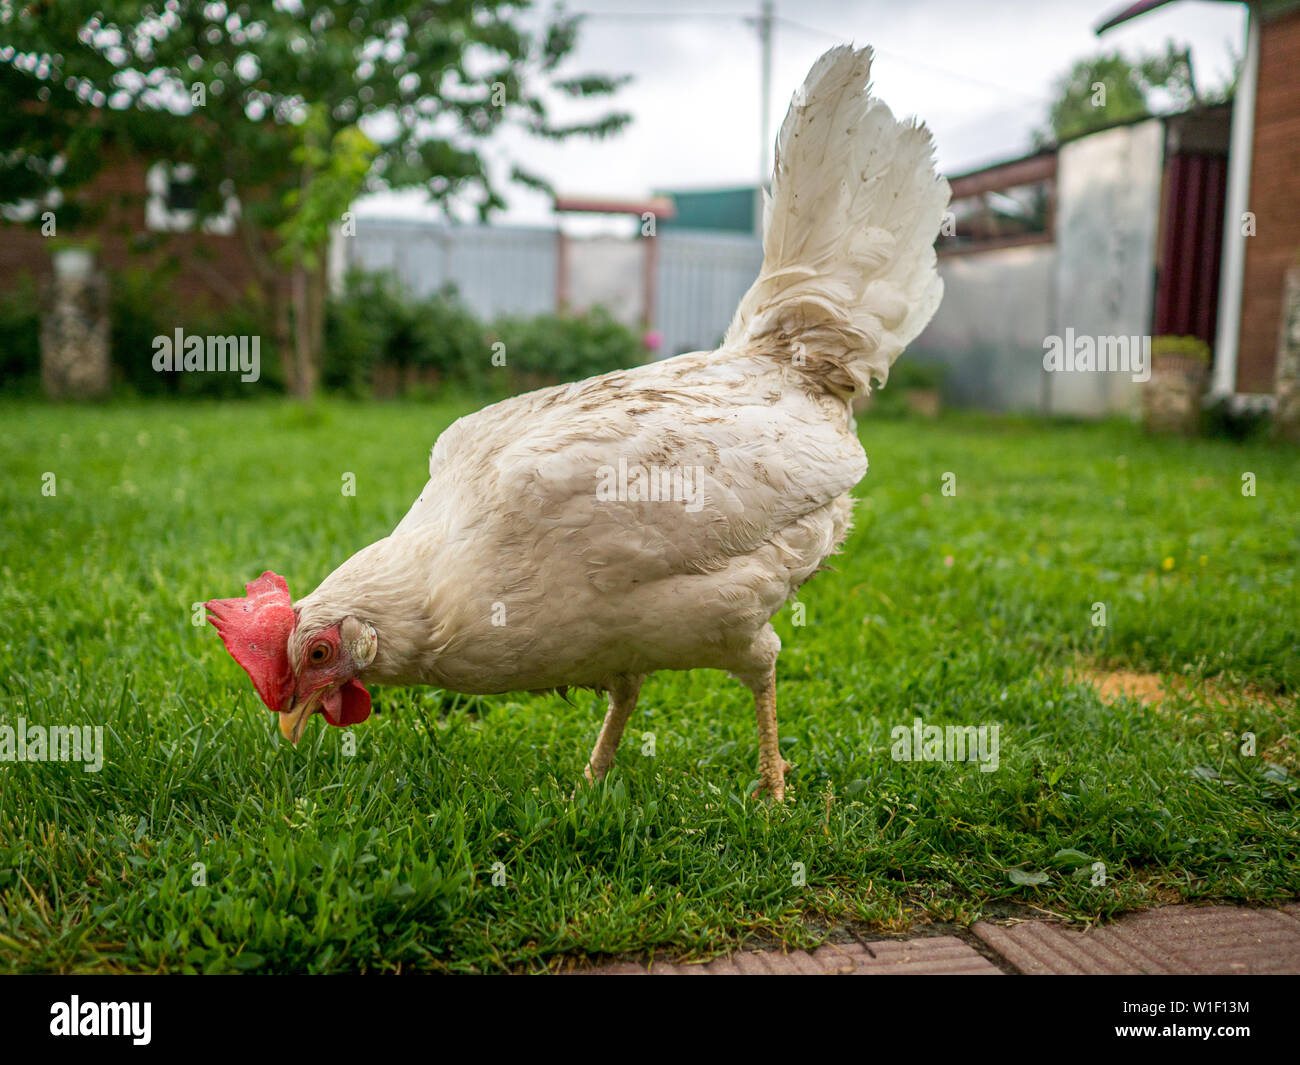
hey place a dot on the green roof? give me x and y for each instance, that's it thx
(725, 209)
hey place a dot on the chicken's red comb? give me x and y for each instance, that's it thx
(256, 630)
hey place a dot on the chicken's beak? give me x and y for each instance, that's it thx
(293, 719)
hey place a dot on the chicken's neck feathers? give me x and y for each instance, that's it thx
(394, 586)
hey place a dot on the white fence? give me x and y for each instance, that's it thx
(497, 270)
(512, 270)
(702, 277)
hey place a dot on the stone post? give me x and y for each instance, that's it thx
(75, 329)
(1286, 415)
(1171, 399)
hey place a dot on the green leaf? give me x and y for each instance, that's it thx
(1071, 858)
(1024, 879)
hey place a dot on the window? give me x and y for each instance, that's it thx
(1001, 206)
(170, 207)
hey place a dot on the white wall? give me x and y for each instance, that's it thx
(610, 272)
(1098, 277)
(989, 329)
(1108, 195)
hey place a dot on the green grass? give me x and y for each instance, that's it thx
(317, 859)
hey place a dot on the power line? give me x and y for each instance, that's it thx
(794, 24)
(913, 61)
(765, 19)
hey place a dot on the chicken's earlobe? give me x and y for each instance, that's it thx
(361, 641)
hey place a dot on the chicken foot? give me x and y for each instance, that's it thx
(623, 691)
(771, 766)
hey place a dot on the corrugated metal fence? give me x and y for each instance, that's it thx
(497, 270)
(702, 277)
(512, 270)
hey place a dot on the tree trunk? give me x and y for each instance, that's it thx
(283, 331)
(317, 320)
(308, 297)
(304, 383)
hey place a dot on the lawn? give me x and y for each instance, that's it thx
(444, 834)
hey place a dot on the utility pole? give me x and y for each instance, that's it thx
(764, 23)
(765, 40)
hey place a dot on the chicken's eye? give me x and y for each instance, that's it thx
(320, 653)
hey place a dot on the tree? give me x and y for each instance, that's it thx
(290, 107)
(1107, 89)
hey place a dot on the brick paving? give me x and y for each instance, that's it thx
(1175, 939)
(928, 954)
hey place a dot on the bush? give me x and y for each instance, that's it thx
(906, 375)
(20, 335)
(376, 322)
(551, 348)
(243, 319)
(354, 333)
(373, 326)
(1193, 349)
(376, 326)
(1221, 418)
(139, 314)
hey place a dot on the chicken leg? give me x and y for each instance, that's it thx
(771, 766)
(623, 691)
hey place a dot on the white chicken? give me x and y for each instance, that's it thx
(654, 518)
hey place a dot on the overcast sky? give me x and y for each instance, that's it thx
(977, 71)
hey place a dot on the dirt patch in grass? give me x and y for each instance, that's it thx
(1155, 689)
(1148, 688)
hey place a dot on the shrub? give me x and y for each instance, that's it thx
(1221, 418)
(906, 375)
(375, 321)
(20, 335)
(242, 319)
(355, 332)
(140, 311)
(550, 348)
(1193, 349)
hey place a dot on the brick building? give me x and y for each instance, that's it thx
(1274, 195)
(142, 220)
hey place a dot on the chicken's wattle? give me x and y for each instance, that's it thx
(347, 705)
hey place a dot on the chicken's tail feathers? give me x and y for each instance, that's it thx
(849, 275)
